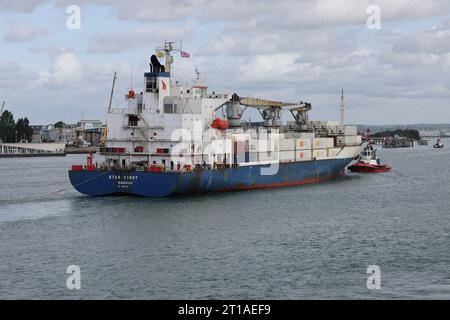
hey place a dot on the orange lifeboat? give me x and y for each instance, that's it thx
(130, 95)
(220, 124)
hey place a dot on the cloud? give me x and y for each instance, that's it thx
(66, 69)
(23, 6)
(23, 33)
(142, 36)
(288, 50)
(267, 13)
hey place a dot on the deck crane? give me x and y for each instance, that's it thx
(270, 110)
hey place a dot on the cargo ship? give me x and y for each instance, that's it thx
(177, 139)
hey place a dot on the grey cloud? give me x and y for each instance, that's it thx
(267, 14)
(24, 33)
(20, 5)
(143, 36)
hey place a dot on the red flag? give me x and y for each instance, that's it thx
(184, 54)
(163, 85)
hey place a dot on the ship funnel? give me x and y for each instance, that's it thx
(155, 65)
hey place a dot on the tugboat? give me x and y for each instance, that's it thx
(439, 144)
(369, 162)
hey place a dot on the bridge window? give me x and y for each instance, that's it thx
(151, 84)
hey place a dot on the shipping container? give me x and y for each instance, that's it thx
(334, 152)
(266, 145)
(349, 140)
(303, 155)
(307, 135)
(268, 156)
(332, 130)
(218, 146)
(319, 154)
(323, 143)
(253, 145)
(286, 156)
(287, 145)
(303, 144)
(351, 130)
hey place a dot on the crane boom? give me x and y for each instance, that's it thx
(112, 92)
(256, 102)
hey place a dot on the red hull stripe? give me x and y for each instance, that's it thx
(278, 184)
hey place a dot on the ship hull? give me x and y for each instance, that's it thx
(163, 184)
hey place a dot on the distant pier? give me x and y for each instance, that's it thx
(14, 150)
(389, 142)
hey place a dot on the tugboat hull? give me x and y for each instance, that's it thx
(369, 168)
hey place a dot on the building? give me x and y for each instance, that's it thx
(51, 134)
(89, 132)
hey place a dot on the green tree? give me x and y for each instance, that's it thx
(23, 129)
(59, 124)
(7, 127)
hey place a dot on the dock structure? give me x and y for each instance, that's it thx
(400, 142)
(32, 149)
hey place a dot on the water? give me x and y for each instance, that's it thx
(305, 242)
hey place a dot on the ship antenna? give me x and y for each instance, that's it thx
(341, 108)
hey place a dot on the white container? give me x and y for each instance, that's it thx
(320, 154)
(287, 144)
(265, 145)
(287, 156)
(268, 156)
(307, 135)
(349, 140)
(323, 143)
(253, 145)
(303, 155)
(303, 144)
(332, 130)
(350, 130)
(334, 152)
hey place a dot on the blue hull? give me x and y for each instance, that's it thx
(155, 184)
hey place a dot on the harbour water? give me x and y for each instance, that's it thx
(313, 241)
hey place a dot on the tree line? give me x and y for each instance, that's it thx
(407, 133)
(12, 131)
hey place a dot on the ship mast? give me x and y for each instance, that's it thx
(168, 50)
(341, 108)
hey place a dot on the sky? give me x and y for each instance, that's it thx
(397, 71)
